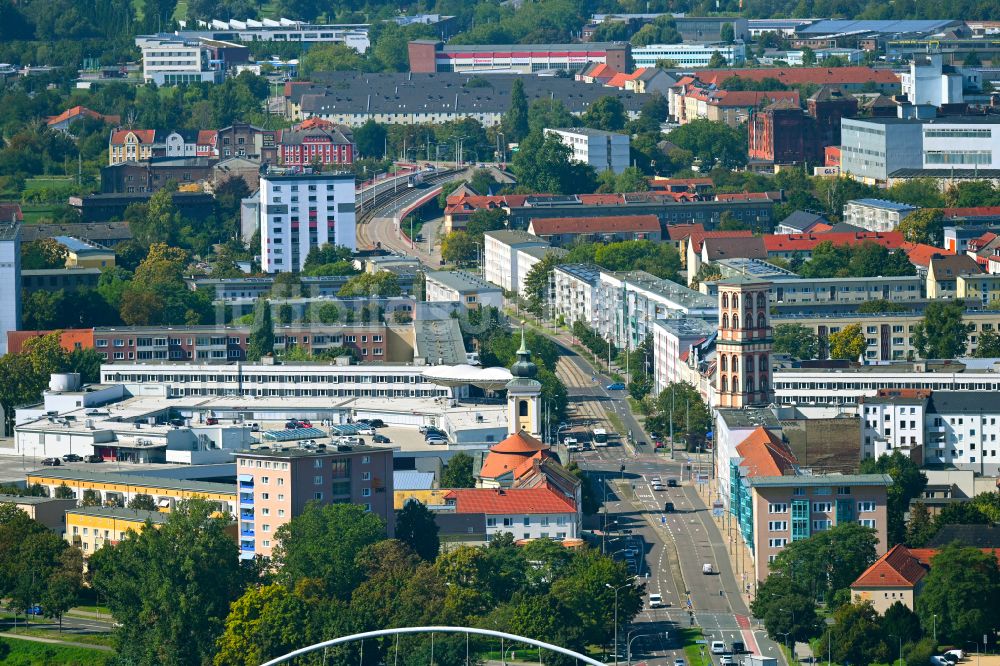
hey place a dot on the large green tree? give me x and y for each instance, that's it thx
(169, 588)
(322, 543)
(849, 343)
(416, 527)
(828, 561)
(907, 483)
(854, 636)
(961, 589)
(712, 143)
(458, 472)
(266, 622)
(515, 121)
(261, 340)
(942, 333)
(542, 164)
(795, 340)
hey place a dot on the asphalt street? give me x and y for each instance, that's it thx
(675, 546)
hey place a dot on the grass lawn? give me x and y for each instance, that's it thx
(38, 182)
(181, 10)
(689, 637)
(86, 639)
(35, 213)
(15, 652)
(92, 609)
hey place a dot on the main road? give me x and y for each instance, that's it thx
(674, 546)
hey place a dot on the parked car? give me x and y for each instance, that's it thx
(305, 424)
(718, 647)
(376, 423)
(436, 440)
(51, 462)
(381, 439)
(292, 424)
(34, 610)
(93, 458)
(211, 420)
(950, 658)
(72, 457)
(958, 654)
(254, 427)
(617, 386)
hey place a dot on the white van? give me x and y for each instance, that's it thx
(655, 601)
(707, 569)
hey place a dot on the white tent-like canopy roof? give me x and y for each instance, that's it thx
(457, 375)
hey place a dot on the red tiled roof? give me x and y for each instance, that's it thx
(144, 135)
(981, 211)
(602, 71)
(696, 238)
(207, 137)
(920, 254)
(818, 75)
(600, 199)
(547, 226)
(676, 232)
(519, 442)
(618, 80)
(897, 568)
(748, 196)
(752, 98)
(820, 228)
(764, 454)
(804, 242)
(82, 111)
(512, 501)
(498, 464)
(9, 211)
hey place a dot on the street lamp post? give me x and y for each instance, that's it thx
(616, 589)
(786, 634)
(899, 637)
(934, 624)
(628, 644)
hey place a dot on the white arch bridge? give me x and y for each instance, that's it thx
(439, 629)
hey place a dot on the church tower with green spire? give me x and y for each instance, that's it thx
(523, 394)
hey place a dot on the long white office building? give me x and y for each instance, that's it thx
(354, 35)
(10, 275)
(301, 211)
(842, 388)
(688, 55)
(287, 380)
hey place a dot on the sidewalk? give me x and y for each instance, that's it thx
(53, 641)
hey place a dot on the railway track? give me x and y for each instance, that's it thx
(384, 200)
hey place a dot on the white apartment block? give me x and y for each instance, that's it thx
(876, 214)
(527, 257)
(841, 389)
(288, 380)
(794, 290)
(628, 304)
(10, 275)
(688, 55)
(299, 212)
(500, 258)
(575, 295)
(470, 290)
(602, 150)
(956, 428)
(672, 341)
(168, 60)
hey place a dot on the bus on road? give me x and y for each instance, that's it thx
(600, 437)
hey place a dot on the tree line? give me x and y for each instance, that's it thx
(181, 595)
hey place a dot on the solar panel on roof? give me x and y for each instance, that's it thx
(348, 429)
(293, 434)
